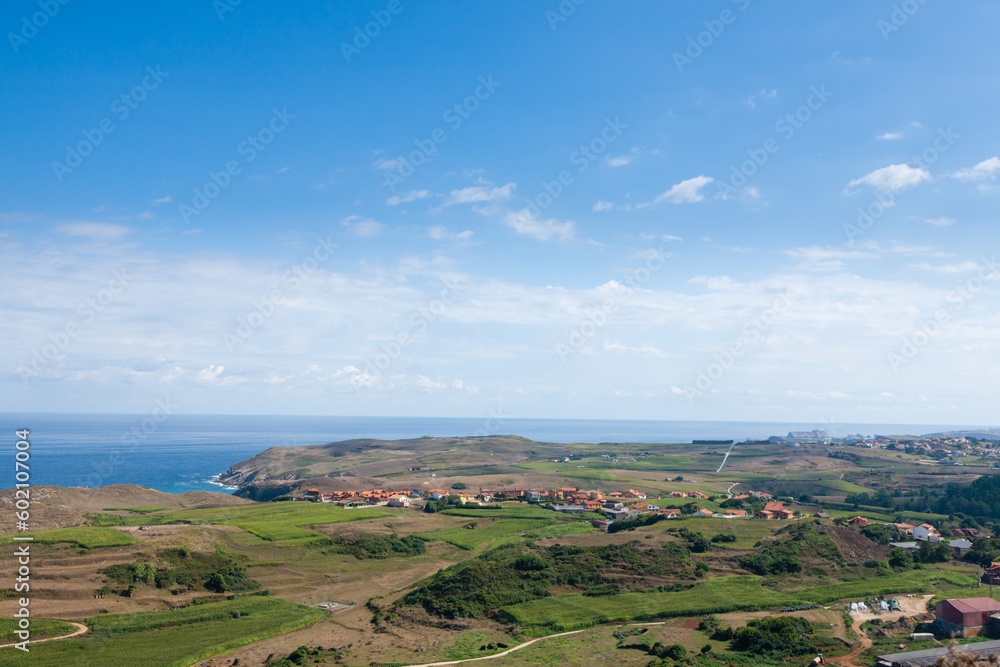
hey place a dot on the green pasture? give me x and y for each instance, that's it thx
(86, 536)
(176, 638)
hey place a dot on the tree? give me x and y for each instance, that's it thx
(458, 485)
(700, 545)
(900, 559)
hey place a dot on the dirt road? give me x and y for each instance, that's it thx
(80, 629)
(909, 606)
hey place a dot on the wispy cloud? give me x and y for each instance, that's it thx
(685, 192)
(96, 231)
(941, 222)
(406, 197)
(762, 94)
(441, 233)
(525, 222)
(363, 226)
(623, 160)
(894, 178)
(987, 169)
(480, 194)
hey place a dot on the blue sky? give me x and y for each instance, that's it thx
(213, 202)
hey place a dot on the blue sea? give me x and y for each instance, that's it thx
(187, 452)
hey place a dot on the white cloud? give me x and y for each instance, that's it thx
(163, 200)
(363, 226)
(958, 267)
(688, 191)
(894, 178)
(987, 169)
(441, 233)
(623, 160)
(145, 215)
(411, 195)
(97, 231)
(603, 206)
(524, 222)
(645, 350)
(889, 136)
(208, 375)
(762, 94)
(714, 282)
(389, 165)
(479, 194)
(941, 222)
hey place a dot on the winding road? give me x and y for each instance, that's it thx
(80, 629)
(498, 655)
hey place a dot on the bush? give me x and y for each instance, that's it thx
(458, 485)
(603, 589)
(899, 559)
(368, 547)
(774, 635)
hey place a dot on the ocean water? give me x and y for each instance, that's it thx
(186, 452)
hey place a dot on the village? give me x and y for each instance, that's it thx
(625, 505)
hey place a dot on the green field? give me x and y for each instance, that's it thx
(279, 521)
(523, 512)
(41, 628)
(484, 532)
(723, 594)
(720, 595)
(175, 638)
(143, 509)
(842, 485)
(560, 530)
(86, 536)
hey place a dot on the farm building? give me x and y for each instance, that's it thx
(930, 656)
(965, 617)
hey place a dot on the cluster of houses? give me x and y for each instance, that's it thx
(570, 500)
(960, 542)
(350, 499)
(954, 447)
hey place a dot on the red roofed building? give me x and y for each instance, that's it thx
(965, 617)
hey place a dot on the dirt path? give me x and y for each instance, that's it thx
(497, 655)
(909, 606)
(850, 659)
(80, 629)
